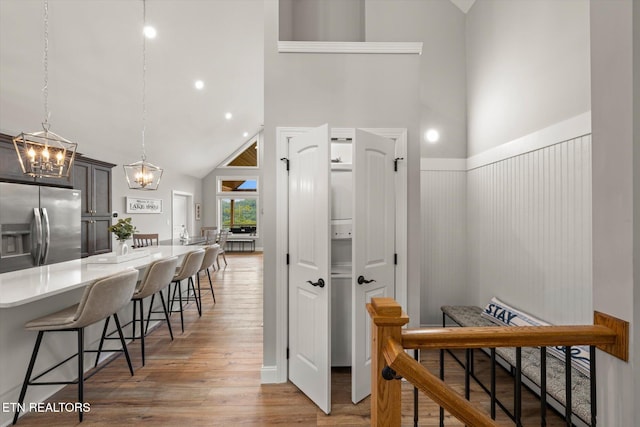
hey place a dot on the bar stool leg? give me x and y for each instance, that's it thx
(80, 371)
(165, 308)
(124, 344)
(180, 301)
(211, 286)
(197, 297)
(146, 328)
(166, 315)
(32, 362)
(102, 338)
(141, 328)
(133, 334)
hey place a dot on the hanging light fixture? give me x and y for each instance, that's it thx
(45, 154)
(143, 175)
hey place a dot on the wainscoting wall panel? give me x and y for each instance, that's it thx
(444, 243)
(529, 232)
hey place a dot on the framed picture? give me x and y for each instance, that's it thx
(137, 205)
(197, 211)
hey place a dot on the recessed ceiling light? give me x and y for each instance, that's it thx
(432, 135)
(246, 134)
(150, 32)
(199, 84)
(228, 116)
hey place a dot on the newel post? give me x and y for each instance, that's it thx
(387, 320)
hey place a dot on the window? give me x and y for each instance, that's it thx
(246, 158)
(238, 204)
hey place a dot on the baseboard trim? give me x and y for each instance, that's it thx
(269, 375)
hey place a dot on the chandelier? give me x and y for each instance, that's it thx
(143, 175)
(45, 154)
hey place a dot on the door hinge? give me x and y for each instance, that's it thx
(287, 353)
(395, 259)
(286, 161)
(287, 259)
(395, 163)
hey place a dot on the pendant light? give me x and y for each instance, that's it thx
(45, 154)
(143, 175)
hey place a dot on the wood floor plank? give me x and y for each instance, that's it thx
(210, 375)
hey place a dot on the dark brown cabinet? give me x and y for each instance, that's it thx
(93, 178)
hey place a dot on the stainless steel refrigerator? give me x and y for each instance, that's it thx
(38, 225)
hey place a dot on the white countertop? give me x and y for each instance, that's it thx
(33, 284)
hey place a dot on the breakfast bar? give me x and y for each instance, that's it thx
(34, 292)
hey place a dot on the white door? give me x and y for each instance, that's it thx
(179, 214)
(373, 245)
(309, 263)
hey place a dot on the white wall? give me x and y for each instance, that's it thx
(529, 242)
(514, 222)
(614, 80)
(444, 241)
(527, 67)
(439, 25)
(538, 52)
(344, 90)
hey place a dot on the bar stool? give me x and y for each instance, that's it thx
(100, 300)
(157, 277)
(210, 257)
(190, 266)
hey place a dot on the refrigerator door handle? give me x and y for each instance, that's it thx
(37, 222)
(47, 235)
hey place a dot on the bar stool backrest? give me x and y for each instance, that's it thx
(210, 256)
(157, 276)
(104, 297)
(190, 265)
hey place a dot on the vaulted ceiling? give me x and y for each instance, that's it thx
(95, 77)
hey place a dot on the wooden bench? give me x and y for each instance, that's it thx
(530, 368)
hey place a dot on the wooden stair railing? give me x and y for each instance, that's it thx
(389, 341)
(434, 387)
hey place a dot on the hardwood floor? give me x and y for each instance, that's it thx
(210, 375)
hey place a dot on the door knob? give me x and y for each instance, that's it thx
(319, 283)
(362, 280)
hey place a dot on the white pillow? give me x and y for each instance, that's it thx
(505, 315)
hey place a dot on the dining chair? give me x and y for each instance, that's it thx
(210, 237)
(143, 240)
(203, 230)
(222, 241)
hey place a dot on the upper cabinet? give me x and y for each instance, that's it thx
(94, 179)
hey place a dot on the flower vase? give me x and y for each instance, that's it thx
(123, 248)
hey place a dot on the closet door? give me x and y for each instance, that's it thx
(309, 263)
(373, 245)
